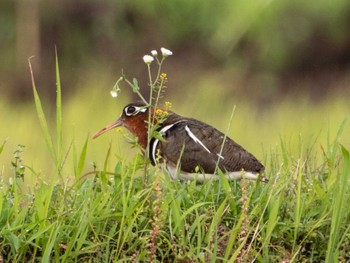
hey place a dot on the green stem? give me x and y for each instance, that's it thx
(137, 92)
(161, 84)
(149, 123)
(159, 68)
(158, 96)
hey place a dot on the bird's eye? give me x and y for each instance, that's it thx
(130, 110)
(134, 110)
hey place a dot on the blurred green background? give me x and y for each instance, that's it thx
(284, 64)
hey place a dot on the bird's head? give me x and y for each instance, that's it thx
(134, 117)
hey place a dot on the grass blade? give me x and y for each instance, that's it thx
(42, 118)
(299, 204)
(2, 146)
(58, 112)
(108, 155)
(79, 167)
(338, 207)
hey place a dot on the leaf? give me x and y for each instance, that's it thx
(346, 155)
(118, 168)
(135, 87)
(157, 135)
(2, 147)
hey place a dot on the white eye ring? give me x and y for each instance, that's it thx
(134, 110)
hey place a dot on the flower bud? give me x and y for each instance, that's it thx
(147, 59)
(166, 52)
(114, 93)
(154, 53)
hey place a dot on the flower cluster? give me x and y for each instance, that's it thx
(160, 78)
(148, 59)
(161, 114)
(167, 105)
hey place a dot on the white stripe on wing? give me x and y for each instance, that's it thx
(196, 140)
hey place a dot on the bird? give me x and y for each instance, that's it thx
(190, 148)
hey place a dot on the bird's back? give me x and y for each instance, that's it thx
(200, 146)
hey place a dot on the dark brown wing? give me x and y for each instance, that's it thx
(199, 145)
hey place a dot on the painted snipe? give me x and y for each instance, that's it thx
(190, 149)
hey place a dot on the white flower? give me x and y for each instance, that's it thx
(114, 93)
(147, 59)
(166, 52)
(154, 53)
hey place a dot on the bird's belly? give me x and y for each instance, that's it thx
(175, 173)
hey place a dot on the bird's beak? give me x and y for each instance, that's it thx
(111, 126)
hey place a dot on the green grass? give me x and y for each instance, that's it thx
(301, 214)
(66, 198)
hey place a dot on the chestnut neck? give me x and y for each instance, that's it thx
(138, 127)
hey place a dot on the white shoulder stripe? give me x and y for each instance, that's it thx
(156, 141)
(196, 140)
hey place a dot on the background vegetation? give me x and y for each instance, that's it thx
(284, 64)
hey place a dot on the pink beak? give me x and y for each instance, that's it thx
(111, 126)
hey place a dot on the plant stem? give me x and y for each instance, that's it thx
(137, 92)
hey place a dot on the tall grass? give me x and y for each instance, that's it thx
(107, 213)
